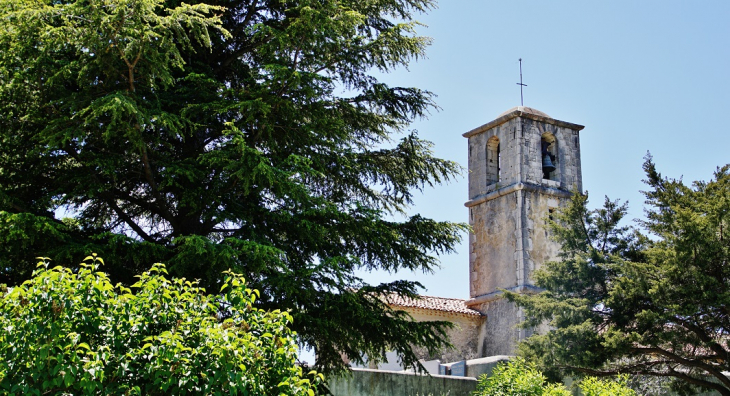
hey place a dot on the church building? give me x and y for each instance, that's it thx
(523, 165)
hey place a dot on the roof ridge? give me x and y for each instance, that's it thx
(445, 298)
(433, 303)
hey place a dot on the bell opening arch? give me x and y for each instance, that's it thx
(549, 157)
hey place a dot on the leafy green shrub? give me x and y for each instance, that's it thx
(594, 387)
(519, 378)
(76, 333)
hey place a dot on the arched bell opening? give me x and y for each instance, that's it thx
(549, 156)
(494, 159)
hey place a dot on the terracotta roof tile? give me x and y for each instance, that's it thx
(454, 305)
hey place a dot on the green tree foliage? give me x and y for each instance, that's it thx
(519, 378)
(75, 333)
(622, 302)
(225, 134)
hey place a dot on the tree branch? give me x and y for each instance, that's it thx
(712, 370)
(111, 202)
(685, 377)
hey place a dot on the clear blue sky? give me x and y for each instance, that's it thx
(640, 75)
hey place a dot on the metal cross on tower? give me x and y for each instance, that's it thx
(522, 100)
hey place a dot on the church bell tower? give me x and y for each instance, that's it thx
(522, 166)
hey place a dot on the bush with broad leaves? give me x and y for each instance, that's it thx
(73, 332)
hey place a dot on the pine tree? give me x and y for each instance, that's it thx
(620, 301)
(249, 135)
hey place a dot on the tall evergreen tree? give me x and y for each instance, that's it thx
(623, 302)
(248, 135)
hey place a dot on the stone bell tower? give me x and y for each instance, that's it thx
(522, 166)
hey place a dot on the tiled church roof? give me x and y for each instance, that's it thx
(454, 305)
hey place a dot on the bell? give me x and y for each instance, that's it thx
(547, 164)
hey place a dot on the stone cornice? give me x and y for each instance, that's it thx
(518, 113)
(514, 187)
(496, 295)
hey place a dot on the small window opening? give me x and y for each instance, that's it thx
(550, 217)
(499, 163)
(494, 161)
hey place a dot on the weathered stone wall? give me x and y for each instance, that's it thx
(538, 245)
(501, 327)
(493, 245)
(365, 382)
(511, 238)
(465, 336)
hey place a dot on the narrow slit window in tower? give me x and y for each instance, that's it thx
(494, 159)
(499, 163)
